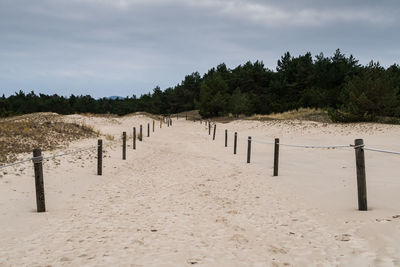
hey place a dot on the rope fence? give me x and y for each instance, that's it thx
(38, 159)
(358, 147)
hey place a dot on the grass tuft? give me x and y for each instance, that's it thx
(47, 131)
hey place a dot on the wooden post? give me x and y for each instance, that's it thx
(141, 134)
(148, 129)
(39, 184)
(153, 125)
(226, 137)
(124, 145)
(186, 116)
(276, 156)
(134, 138)
(361, 176)
(248, 149)
(215, 126)
(99, 157)
(160, 123)
(177, 116)
(170, 121)
(235, 144)
(209, 128)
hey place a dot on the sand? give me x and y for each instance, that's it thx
(182, 199)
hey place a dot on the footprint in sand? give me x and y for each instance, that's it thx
(239, 239)
(65, 259)
(383, 220)
(277, 250)
(343, 237)
(222, 220)
(193, 261)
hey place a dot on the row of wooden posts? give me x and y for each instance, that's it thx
(38, 161)
(359, 153)
(358, 146)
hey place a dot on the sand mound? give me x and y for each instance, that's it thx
(48, 131)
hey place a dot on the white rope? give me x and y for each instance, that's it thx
(381, 150)
(15, 163)
(263, 142)
(68, 153)
(314, 146)
(323, 147)
(41, 158)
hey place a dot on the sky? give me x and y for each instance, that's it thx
(126, 47)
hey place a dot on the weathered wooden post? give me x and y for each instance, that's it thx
(177, 116)
(148, 129)
(209, 128)
(153, 125)
(215, 126)
(226, 137)
(134, 138)
(99, 157)
(170, 121)
(235, 144)
(248, 149)
(39, 184)
(141, 133)
(276, 156)
(124, 145)
(361, 176)
(160, 123)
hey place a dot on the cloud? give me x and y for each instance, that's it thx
(272, 15)
(138, 44)
(269, 13)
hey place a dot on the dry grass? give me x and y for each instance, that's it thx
(308, 114)
(106, 115)
(109, 137)
(45, 130)
(192, 114)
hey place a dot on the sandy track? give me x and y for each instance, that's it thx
(181, 199)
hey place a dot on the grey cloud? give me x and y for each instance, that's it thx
(123, 47)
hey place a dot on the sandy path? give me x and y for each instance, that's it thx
(181, 199)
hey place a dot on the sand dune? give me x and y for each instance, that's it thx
(182, 199)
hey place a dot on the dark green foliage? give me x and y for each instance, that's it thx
(213, 96)
(371, 93)
(239, 103)
(350, 92)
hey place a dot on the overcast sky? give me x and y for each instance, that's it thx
(125, 47)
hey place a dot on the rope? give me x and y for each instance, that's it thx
(15, 163)
(263, 142)
(382, 151)
(41, 158)
(68, 153)
(292, 145)
(314, 146)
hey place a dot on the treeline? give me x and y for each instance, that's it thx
(348, 90)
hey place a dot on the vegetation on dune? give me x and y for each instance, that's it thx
(338, 84)
(308, 114)
(24, 133)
